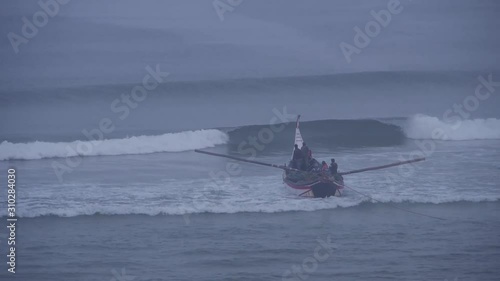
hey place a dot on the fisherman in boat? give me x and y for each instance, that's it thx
(306, 153)
(305, 150)
(334, 167)
(314, 165)
(298, 158)
(324, 166)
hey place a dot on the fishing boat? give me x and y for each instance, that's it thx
(312, 181)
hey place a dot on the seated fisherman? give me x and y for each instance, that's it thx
(324, 166)
(333, 167)
(313, 165)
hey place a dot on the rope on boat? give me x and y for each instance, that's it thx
(395, 207)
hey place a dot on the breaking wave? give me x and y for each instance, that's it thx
(172, 142)
(321, 133)
(327, 133)
(428, 127)
(291, 205)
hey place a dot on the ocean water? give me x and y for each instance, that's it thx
(112, 191)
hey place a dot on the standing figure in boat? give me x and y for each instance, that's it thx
(297, 159)
(334, 167)
(306, 153)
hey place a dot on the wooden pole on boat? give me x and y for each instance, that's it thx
(246, 160)
(382, 167)
(291, 169)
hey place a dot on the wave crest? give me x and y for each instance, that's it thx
(428, 127)
(172, 142)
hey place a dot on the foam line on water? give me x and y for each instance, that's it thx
(172, 142)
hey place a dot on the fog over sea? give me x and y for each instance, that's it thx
(108, 187)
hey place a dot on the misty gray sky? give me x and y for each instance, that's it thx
(106, 42)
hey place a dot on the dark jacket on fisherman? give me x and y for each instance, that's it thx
(333, 167)
(297, 159)
(297, 154)
(305, 150)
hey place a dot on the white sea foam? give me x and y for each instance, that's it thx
(428, 127)
(288, 205)
(266, 195)
(172, 142)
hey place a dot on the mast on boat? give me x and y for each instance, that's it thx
(298, 136)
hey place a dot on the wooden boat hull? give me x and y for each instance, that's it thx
(316, 187)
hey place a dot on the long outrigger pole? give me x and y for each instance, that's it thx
(291, 169)
(382, 167)
(245, 160)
